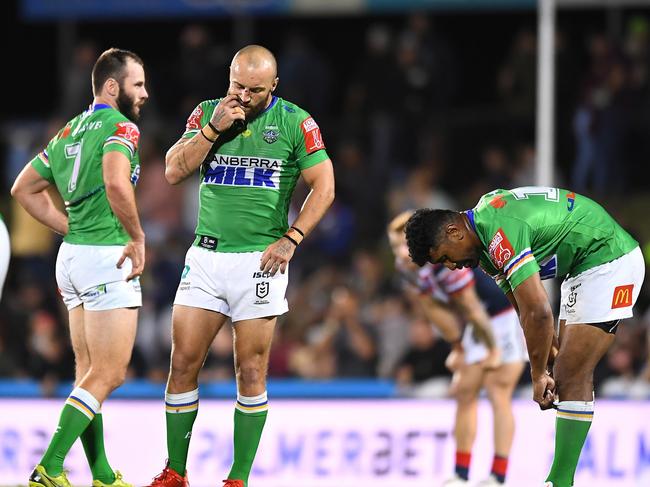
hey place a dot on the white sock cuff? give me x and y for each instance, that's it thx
(84, 401)
(575, 410)
(252, 399)
(254, 404)
(182, 397)
(582, 406)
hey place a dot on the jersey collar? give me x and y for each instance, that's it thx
(470, 217)
(274, 100)
(99, 106)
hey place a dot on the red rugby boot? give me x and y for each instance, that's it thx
(233, 483)
(169, 478)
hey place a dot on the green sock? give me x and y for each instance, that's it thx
(250, 416)
(93, 441)
(571, 428)
(181, 412)
(78, 412)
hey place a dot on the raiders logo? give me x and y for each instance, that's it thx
(270, 135)
(262, 289)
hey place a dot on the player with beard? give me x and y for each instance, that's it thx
(238, 265)
(93, 163)
(521, 236)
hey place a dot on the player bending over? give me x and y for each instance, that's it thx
(520, 237)
(490, 353)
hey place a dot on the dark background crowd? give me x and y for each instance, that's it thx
(417, 110)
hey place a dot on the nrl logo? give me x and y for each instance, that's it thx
(270, 135)
(262, 289)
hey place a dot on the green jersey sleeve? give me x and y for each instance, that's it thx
(310, 148)
(123, 138)
(510, 252)
(199, 118)
(42, 165)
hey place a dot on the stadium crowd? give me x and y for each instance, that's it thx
(414, 122)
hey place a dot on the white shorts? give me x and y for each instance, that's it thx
(603, 293)
(231, 284)
(508, 336)
(88, 275)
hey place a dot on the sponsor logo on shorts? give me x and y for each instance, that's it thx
(96, 291)
(261, 275)
(186, 271)
(262, 291)
(571, 299)
(622, 297)
(500, 249)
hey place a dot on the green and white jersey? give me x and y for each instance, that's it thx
(73, 162)
(247, 182)
(548, 230)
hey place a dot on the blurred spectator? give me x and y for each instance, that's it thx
(308, 87)
(423, 361)
(517, 79)
(77, 92)
(600, 122)
(347, 337)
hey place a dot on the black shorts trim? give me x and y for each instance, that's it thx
(607, 326)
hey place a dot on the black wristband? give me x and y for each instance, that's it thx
(302, 234)
(216, 130)
(290, 239)
(208, 138)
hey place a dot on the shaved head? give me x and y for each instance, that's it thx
(255, 58)
(253, 77)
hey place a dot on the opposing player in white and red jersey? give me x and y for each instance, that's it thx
(489, 353)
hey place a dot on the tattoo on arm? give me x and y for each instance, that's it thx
(284, 247)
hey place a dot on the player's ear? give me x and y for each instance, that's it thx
(111, 87)
(275, 84)
(453, 232)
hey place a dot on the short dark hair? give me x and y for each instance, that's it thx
(425, 230)
(111, 64)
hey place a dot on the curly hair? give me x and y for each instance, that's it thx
(425, 230)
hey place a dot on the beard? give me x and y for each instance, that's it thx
(126, 105)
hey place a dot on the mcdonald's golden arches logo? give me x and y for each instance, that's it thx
(622, 296)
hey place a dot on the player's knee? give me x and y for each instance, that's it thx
(184, 365)
(568, 378)
(250, 374)
(465, 395)
(116, 378)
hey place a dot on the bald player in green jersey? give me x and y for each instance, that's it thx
(521, 236)
(94, 165)
(238, 264)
